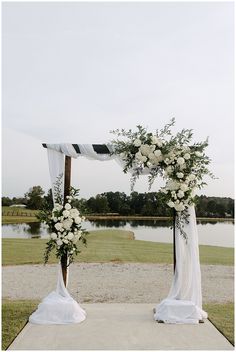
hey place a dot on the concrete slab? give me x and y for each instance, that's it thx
(118, 326)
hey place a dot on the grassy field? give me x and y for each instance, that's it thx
(18, 215)
(15, 315)
(109, 246)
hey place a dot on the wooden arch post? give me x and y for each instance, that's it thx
(67, 184)
(174, 244)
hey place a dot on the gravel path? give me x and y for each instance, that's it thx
(110, 282)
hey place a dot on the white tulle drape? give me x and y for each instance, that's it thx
(184, 301)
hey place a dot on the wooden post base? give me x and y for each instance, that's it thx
(64, 268)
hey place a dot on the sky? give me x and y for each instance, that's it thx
(71, 72)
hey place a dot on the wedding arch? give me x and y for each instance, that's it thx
(183, 166)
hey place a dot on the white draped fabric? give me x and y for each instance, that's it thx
(184, 302)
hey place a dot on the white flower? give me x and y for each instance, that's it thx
(57, 207)
(146, 149)
(182, 167)
(180, 174)
(171, 204)
(179, 206)
(53, 236)
(186, 156)
(149, 164)
(158, 153)
(167, 161)
(198, 153)
(70, 236)
(191, 177)
(138, 156)
(172, 185)
(67, 224)
(54, 218)
(59, 242)
(157, 141)
(151, 156)
(184, 187)
(74, 213)
(78, 220)
(66, 213)
(58, 226)
(65, 241)
(180, 194)
(180, 161)
(67, 206)
(169, 170)
(137, 142)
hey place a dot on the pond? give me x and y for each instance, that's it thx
(214, 233)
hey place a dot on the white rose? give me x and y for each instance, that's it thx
(198, 153)
(137, 142)
(180, 194)
(191, 177)
(53, 236)
(66, 213)
(74, 213)
(54, 218)
(171, 204)
(78, 220)
(180, 161)
(186, 156)
(184, 187)
(58, 226)
(180, 174)
(59, 242)
(167, 161)
(67, 224)
(65, 241)
(67, 206)
(70, 236)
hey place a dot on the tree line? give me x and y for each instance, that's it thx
(119, 203)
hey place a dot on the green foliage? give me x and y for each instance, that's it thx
(34, 197)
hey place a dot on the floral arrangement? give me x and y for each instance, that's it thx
(65, 226)
(181, 163)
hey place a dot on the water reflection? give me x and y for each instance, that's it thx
(221, 234)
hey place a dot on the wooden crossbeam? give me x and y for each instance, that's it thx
(98, 148)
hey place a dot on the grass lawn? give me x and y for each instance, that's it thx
(15, 315)
(109, 246)
(222, 316)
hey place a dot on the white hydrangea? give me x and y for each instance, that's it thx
(146, 149)
(179, 206)
(186, 156)
(171, 204)
(180, 194)
(157, 141)
(180, 161)
(191, 177)
(180, 174)
(184, 187)
(172, 185)
(158, 153)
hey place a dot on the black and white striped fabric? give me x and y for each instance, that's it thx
(75, 150)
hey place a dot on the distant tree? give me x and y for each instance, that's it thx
(99, 204)
(34, 197)
(6, 201)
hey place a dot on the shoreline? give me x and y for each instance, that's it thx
(23, 219)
